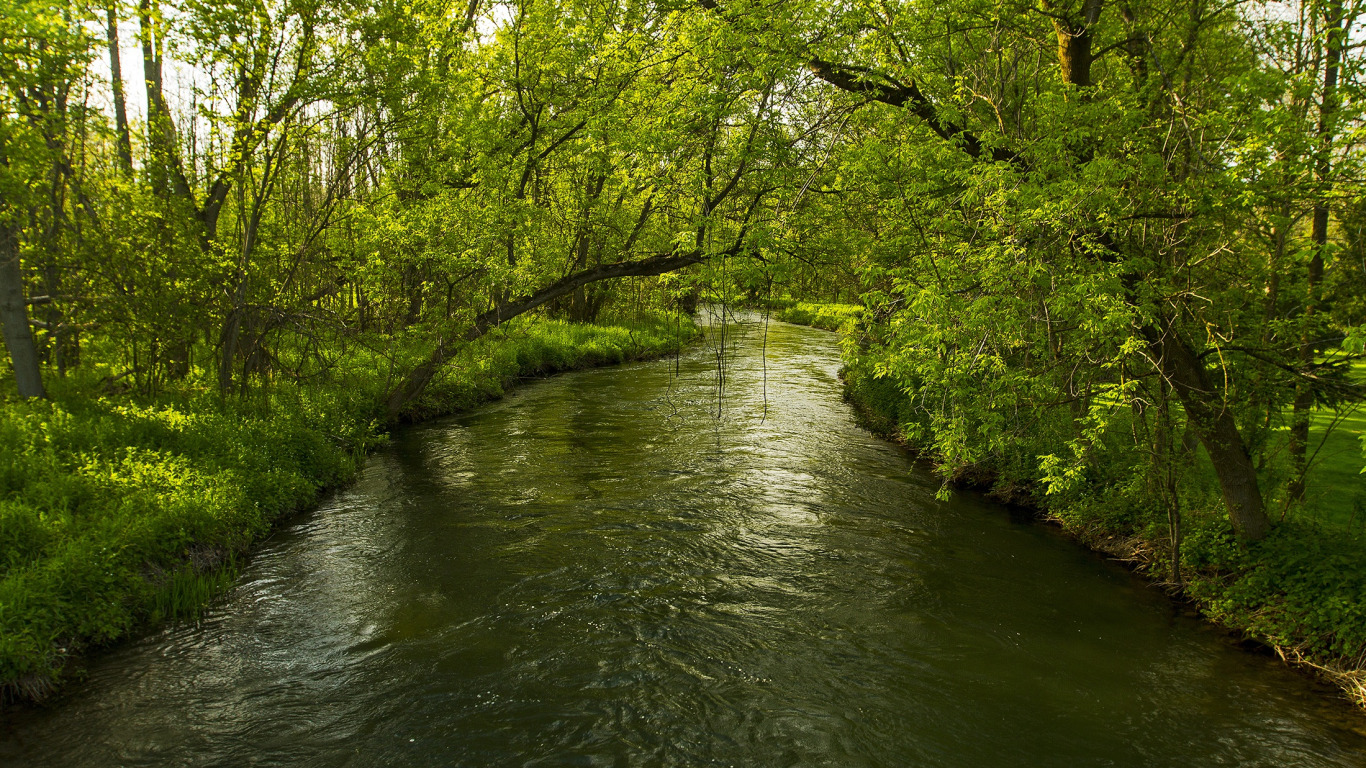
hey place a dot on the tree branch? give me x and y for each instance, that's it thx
(417, 380)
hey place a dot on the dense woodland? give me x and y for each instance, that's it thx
(1111, 256)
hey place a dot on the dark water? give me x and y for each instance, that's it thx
(597, 571)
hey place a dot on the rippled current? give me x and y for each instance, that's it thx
(600, 571)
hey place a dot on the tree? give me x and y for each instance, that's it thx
(1063, 232)
(45, 53)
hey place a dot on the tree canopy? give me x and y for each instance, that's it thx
(1067, 219)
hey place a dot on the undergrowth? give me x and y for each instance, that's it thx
(831, 317)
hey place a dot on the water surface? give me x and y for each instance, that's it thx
(601, 571)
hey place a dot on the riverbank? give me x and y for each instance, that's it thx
(829, 317)
(1301, 592)
(120, 511)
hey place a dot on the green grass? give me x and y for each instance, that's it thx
(1336, 488)
(831, 317)
(118, 511)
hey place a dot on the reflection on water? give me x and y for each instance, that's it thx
(598, 571)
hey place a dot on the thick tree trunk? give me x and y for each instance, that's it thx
(1218, 431)
(23, 354)
(1073, 31)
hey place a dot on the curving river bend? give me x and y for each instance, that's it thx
(597, 571)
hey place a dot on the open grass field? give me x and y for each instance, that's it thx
(1336, 492)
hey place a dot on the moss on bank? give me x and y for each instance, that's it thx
(119, 511)
(1300, 592)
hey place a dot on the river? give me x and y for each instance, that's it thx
(600, 570)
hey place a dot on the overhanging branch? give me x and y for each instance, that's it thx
(417, 380)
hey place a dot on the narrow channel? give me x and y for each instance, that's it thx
(600, 570)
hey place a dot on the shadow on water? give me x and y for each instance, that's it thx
(599, 571)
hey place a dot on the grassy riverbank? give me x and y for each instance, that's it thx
(118, 511)
(830, 317)
(1301, 592)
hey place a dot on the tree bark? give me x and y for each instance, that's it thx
(1217, 429)
(23, 353)
(1304, 395)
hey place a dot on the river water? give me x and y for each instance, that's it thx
(601, 571)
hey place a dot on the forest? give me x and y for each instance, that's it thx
(1105, 259)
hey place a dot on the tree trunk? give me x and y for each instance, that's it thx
(161, 131)
(1074, 39)
(1167, 454)
(228, 341)
(125, 143)
(1218, 432)
(415, 284)
(23, 354)
(1318, 236)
